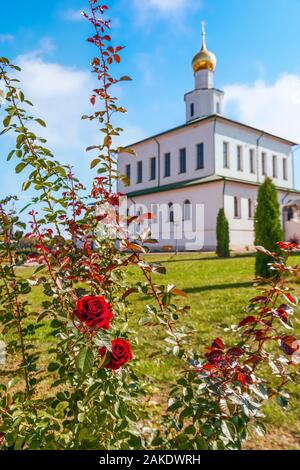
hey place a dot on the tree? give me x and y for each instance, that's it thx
(222, 235)
(268, 229)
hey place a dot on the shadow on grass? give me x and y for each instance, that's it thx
(232, 285)
(177, 258)
(195, 290)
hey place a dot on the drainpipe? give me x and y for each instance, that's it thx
(158, 162)
(224, 187)
(282, 203)
(214, 146)
(295, 148)
(257, 154)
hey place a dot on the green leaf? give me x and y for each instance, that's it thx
(41, 122)
(94, 163)
(20, 167)
(26, 185)
(53, 366)
(85, 360)
(6, 120)
(9, 156)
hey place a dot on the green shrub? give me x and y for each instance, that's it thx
(222, 235)
(267, 226)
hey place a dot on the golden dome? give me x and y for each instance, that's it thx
(204, 60)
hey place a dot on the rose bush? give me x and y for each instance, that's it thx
(94, 399)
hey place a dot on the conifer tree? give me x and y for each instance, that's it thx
(222, 235)
(268, 229)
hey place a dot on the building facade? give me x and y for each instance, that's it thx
(186, 174)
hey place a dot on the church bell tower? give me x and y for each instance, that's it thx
(204, 100)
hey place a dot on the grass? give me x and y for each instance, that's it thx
(218, 290)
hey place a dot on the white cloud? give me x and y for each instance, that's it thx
(166, 8)
(274, 107)
(72, 15)
(61, 95)
(6, 38)
(166, 5)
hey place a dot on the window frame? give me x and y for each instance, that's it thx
(275, 166)
(226, 161)
(250, 209)
(167, 154)
(128, 173)
(152, 169)
(264, 166)
(285, 174)
(252, 166)
(192, 110)
(237, 213)
(139, 178)
(181, 171)
(198, 146)
(239, 156)
(187, 204)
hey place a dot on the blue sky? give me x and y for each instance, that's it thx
(256, 43)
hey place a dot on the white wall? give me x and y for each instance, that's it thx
(247, 139)
(186, 137)
(210, 195)
(242, 228)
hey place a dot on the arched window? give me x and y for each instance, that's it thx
(290, 214)
(237, 211)
(187, 215)
(171, 212)
(250, 208)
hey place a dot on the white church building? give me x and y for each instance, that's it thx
(207, 163)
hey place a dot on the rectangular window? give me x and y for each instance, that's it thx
(200, 156)
(182, 161)
(275, 172)
(284, 169)
(128, 172)
(167, 165)
(192, 109)
(218, 108)
(264, 163)
(240, 158)
(252, 161)
(152, 168)
(139, 172)
(226, 154)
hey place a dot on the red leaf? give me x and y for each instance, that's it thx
(93, 99)
(117, 58)
(261, 299)
(290, 299)
(218, 343)
(237, 352)
(289, 345)
(240, 377)
(247, 321)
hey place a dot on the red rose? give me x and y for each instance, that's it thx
(120, 354)
(94, 311)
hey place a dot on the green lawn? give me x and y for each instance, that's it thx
(218, 290)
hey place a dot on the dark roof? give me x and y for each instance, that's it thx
(212, 117)
(198, 181)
